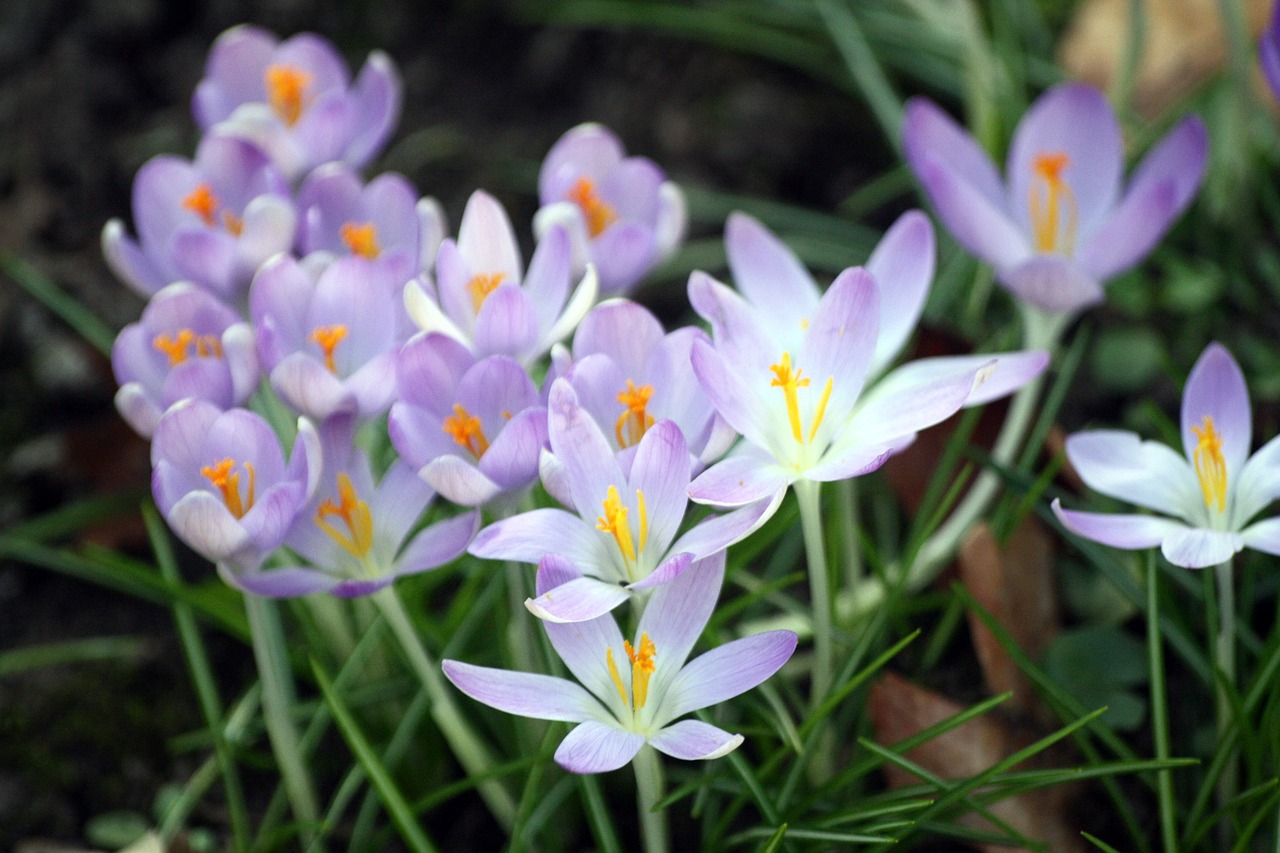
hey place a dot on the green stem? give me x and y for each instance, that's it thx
(1160, 710)
(851, 555)
(807, 493)
(274, 673)
(653, 823)
(1224, 658)
(466, 746)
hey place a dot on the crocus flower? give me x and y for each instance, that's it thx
(295, 99)
(328, 345)
(792, 384)
(354, 534)
(622, 214)
(629, 693)
(1059, 226)
(211, 221)
(187, 344)
(1212, 490)
(482, 297)
(472, 428)
(382, 221)
(622, 538)
(629, 375)
(221, 482)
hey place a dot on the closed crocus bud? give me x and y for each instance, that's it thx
(296, 100)
(211, 221)
(221, 481)
(187, 344)
(622, 214)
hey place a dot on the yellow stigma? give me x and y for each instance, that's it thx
(791, 381)
(177, 346)
(328, 337)
(286, 91)
(598, 213)
(361, 238)
(614, 522)
(1211, 468)
(465, 429)
(642, 669)
(202, 202)
(481, 286)
(634, 420)
(1047, 198)
(354, 513)
(221, 477)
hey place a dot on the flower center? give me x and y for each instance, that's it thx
(614, 522)
(354, 515)
(178, 346)
(634, 420)
(1211, 468)
(203, 203)
(286, 91)
(222, 477)
(598, 213)
(1050, 200)
(642, 668)
(361, 238)
(328, 338)
(791, 381)
(481, 286)
(464, 428)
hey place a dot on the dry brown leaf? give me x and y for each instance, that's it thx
(1183, 44)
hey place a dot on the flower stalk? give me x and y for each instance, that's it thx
(653, 821)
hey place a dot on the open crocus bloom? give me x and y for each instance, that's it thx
(483, 297)
(622, 214)
(221, 482)
(187, 344)
(295, 99)
(211, 221)
(1212, 491)
(1058, 226)
(623, 537)
(629, 693)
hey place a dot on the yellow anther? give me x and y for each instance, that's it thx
(177, 346)
(614, 521)
(1048, 195)
(642, 667)
(202, 202)
(328, 337)
(821, 410)
(598, 213)
(354, 513)
(1211, 467)
(634, 420)
(616, 676)
(791, 382)
(361, 238)
(465, 429)
(286, 91)
(222, 477)
(481, 286)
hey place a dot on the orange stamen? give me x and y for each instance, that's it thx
(177, 346)
(354, 513)
(598, 213)
(220, 476)
(202, 202)
(634, 420)
(1211, 467)
(642, 667)
(328, 337)
(1047, 197)
(481, 286)
(286, 91)
(361, 238)
(465, 429)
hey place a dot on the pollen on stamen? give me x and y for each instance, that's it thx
(598, 214)
(286, 91)
(328, 338)
(635, 419)
(361, 238)
(466, 431)
(222, 476)
(174, 346)
(790, 383)
(642, 669)
(1211, 467)
(614, 522)
(1048, 198)
(202, 202)
(354, 513)
(480, 286)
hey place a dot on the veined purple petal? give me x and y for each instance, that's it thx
(459, 480)
(578, 600)
(137, 408)
(594, 747)
(726, 671)
(127, 260)
(203, 522)
(1130, 532)
(1263, 536)
(675, 616)
(854, 459)
(577, 442)
(661, 471)
(1216, 389)
(584, 646)
(745, 478)
(526, 694)
(1145, 473)
(622, 255)
(512, 458)
(902, 265)
(768, 273)
(625, 331)
(1052, 283)
(1197, 548)
(982, 227)
(307, 387)
(377, 94)
(741, 403)
(180, 436)
(1258, 484)
(840, 343)
(590, 150)
(207, 258)
(507, 325)
(285, 582)
(912, 403)
(528, 537)
(721, 531)
(665, 572)
(694, 740)
(439, 544)
(548, 277)
(486, 239)
(929, 133)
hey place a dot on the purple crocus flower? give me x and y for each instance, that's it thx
(629, 375)
(221, 482)
(789, 374)
(482, 297)
(382, 221)
(187, 344)
(623, 535)
(211, 221)
(622, 214)
(354, 534)
(1059, 226)
(1212, 490)
(628, 694)
(295, 99)
(329, 344)
(472, 428)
